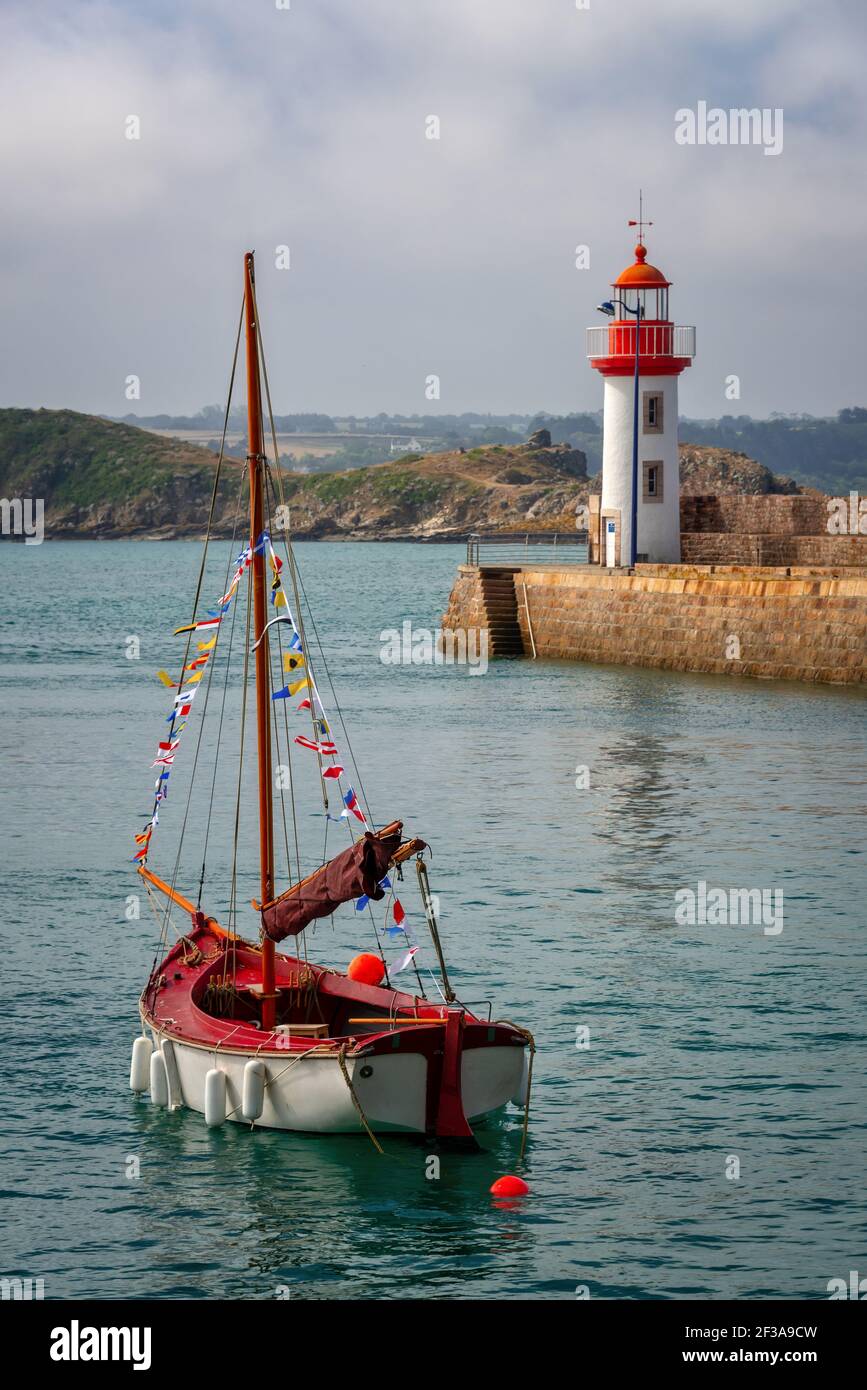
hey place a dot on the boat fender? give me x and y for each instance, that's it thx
(140, 1064)
(159, 1080)
(215, 1097)
(174, 1082)
(253, 1101)
(520, 1096)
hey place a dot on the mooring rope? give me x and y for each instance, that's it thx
(525, 1033)
(341, 1057)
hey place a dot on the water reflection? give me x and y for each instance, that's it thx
(645, 788)
(324, 1217)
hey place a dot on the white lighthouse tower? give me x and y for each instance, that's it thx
(640, 415)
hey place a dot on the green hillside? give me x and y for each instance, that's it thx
(102, 478)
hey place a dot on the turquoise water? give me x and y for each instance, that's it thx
(556, 903)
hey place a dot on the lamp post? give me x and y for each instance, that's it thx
(607, 307)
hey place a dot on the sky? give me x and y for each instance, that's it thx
(305, 123)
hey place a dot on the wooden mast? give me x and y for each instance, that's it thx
(256, 465)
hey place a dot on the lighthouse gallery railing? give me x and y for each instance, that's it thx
(657, 340)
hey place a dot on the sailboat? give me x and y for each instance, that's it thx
(231, 1027)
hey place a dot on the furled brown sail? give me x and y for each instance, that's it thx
(357, 870)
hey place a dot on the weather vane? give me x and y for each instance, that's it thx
(639, 222)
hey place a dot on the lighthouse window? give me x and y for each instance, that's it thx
(652, 491)
(653, 412)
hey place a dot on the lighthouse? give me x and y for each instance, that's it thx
(639, 431)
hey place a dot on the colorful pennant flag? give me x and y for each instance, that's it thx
(328, 748)
(361, 903)
(294, 663)
(350, 802)
(203, 626)
(402, 961)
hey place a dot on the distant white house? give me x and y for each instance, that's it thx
(404, 446)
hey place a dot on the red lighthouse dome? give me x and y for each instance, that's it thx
(640, 275)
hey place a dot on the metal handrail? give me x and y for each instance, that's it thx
(528, 547)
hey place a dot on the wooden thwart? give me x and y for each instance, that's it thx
(309, 1030)
(392, 1022)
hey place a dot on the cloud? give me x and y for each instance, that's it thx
(307, 126)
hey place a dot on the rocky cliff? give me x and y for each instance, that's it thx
(102, 479)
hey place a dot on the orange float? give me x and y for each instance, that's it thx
(510, 1186)
(366, 969)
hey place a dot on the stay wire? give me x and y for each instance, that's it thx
(211, 511)
(268, 491)
(233, 892)
(225, 688)
(290, 556)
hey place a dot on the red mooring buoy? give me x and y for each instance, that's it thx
(509, 1186)
(366, 969)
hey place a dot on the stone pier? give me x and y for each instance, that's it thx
(797, 623)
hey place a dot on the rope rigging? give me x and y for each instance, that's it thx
(214, 494)
(274, 508)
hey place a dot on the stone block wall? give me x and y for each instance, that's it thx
(466, 601)
(726, 548)
(809, 626)
(771, 514)
(767, 529)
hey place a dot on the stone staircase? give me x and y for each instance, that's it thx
(501, 612)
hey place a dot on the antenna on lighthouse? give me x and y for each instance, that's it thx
(639, 222)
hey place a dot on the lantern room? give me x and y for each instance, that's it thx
(642, 285)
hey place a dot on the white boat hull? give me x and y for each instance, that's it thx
(309, 1092)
